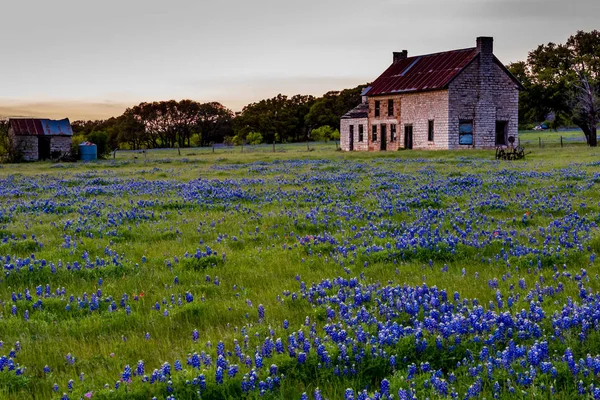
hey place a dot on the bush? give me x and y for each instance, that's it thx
(100, 139)
(254, 138)
(325, 133)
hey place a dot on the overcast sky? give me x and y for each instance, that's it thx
(90, 59)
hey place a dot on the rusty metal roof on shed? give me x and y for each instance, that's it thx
(420, 73)
(41, 127)
(360, 111)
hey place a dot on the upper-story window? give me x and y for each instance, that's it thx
(377, 108)
(390, 107)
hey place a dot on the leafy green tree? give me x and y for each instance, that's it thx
(100, 139)
(322, 134)
(254, 138)
(564, 79)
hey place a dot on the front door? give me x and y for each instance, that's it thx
(383, 137)
(43, 147)
(351, 138)
(408, 137)
(501, 133)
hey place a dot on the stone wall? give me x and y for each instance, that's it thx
(417, 110)
(483, 94)
(60, 144)
(24, 146)
(345, 134)
(386, 119)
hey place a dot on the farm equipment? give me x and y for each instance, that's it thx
(510, 152)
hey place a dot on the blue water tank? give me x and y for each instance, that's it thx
(88, 151)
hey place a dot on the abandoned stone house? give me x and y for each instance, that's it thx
(39, 139)
(451, 100)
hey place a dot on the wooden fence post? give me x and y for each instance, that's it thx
(540, 142)
(561, 143)
(273, 146)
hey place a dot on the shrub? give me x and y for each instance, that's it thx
(100, 139)
(324, 133)
(254, 138)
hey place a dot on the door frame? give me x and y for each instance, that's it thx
(351, 138)
(408, 136)
(504, 125)
(383, 139)
(44, 143)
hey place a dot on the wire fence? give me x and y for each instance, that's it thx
(552, 139)
(227, 149)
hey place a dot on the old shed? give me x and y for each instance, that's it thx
(35, 139)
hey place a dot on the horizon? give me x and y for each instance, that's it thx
(237, 53)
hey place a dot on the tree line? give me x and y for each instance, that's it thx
(188, 123)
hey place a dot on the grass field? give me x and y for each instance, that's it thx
(269, 275)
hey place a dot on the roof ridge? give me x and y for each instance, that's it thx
(441, 52)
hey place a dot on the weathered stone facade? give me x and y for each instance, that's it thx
(60, 144)
(355, 125)
(482, 95)
(25, 147)
(420, 108)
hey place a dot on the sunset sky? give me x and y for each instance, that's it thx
(92, 59)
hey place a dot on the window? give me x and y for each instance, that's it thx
(465, 132)
(390, 107)
(393, 132)
(374, 136)
(377, 108)
(360, 133)
(430, 131)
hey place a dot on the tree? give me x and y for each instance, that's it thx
(254, 138)
(214, 123)
(323, 133)
(564, 79)
(171, 123)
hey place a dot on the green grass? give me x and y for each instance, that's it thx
(259, 264)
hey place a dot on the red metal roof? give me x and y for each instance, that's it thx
(419, 73)
(41, 127)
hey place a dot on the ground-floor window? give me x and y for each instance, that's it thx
(374, 133)
(465, 132)
(430, 131)
(360, 133)
(393, 132)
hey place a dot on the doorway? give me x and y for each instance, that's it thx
(383, 137)
(408, 137)
(351, 138)
(501, 130)
(43, 147)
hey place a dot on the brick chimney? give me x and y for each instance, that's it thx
(485, 44)
(485, 110)
(400, 55)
